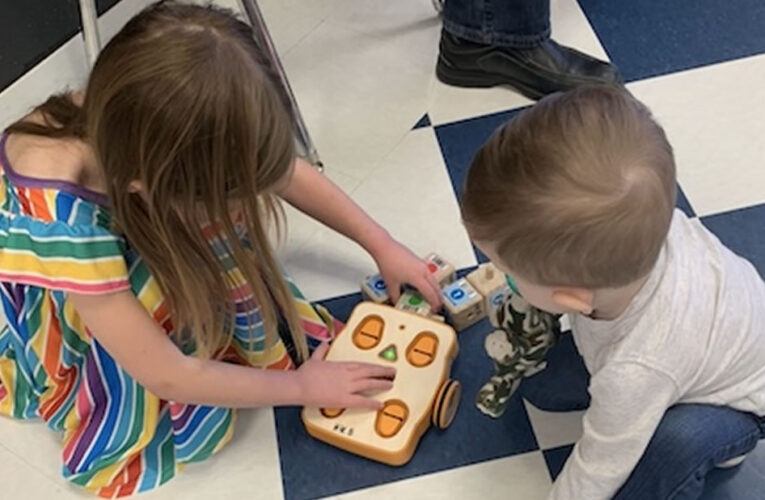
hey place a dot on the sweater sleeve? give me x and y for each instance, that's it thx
(629, 400)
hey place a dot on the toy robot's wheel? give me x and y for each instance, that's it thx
(447, 402)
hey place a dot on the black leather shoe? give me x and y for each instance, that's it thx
(534, 72)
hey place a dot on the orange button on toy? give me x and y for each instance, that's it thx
(422, 351)
(369, 332)
(391, 418)
(332, 412)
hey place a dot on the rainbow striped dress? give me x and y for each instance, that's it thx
(118, 438)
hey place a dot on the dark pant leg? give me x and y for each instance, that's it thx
(510, 23)
(689, 442)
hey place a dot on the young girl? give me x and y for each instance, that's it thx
(137, 277)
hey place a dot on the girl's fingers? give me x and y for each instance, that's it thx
(436, 287)
(374, 371)
(356, 366)
(430, 291)
(320, 352)
(372, 385)
(394, 289)
(352, 367)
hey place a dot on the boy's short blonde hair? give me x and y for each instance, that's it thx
(579, 190)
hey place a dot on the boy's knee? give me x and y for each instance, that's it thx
(690, 432)
(674, 436)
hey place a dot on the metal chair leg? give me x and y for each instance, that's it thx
(89, 19)
(260, 31)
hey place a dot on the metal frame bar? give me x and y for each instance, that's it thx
(89, 19)
(263, 37)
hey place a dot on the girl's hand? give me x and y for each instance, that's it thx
(327, 384)
(398, 265)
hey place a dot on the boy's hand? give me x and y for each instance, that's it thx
(328, 384)
(398, 265)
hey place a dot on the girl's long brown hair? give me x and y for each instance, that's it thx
(181, 102)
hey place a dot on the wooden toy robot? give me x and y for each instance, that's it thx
(422, 351)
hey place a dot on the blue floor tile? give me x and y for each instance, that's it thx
(683, 204)
(555, 459)
(423, 122)
(459, 142)
(646, 38)
(472, 437)
(563, 384)
(342, 306)
(480, 257)
(742, 231)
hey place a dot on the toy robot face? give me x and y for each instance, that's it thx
(419, 351)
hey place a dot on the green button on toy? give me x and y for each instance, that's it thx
(415, 300)
(389, 353)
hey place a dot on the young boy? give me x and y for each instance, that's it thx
(574, 199)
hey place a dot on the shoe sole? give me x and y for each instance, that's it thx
(733, 462)
(478, 79)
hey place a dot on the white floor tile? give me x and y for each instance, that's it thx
(410, 194)
(35, 444)
(714, 120)
(321, 9)
(448, 104)
(359, 94)
(248, 467)
(569, 27)
(413, 26)
(554, 429)
(300, 227)
(23, 482)
(521, 476)
(287, 26)
(565, 323)
(362, 76)
(328, 265)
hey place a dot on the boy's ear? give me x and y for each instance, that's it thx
(575, 299)
(135, 187)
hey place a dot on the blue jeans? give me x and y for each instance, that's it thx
(508, 23)
(689, 442)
